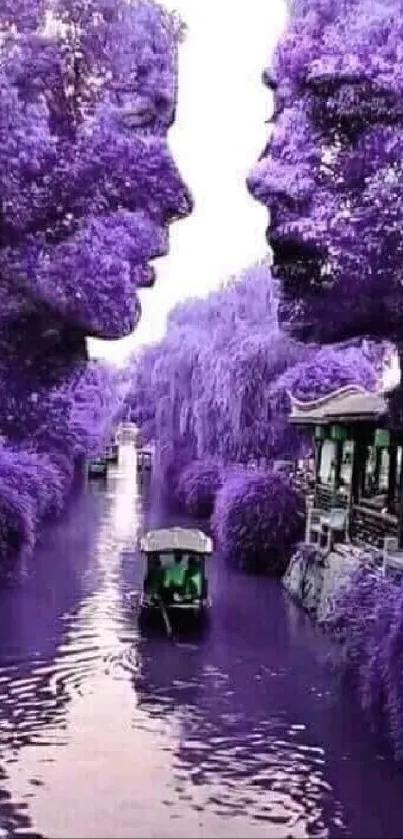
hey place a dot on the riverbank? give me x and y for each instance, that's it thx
(347, 593)
(314, 580)
(245, 731)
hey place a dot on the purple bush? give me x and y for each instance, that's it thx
(89, 189)
(198, 486)
(328, 370)
(257, 520)
(368, 618)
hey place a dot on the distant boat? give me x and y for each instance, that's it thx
(98, 468)
(144, 460)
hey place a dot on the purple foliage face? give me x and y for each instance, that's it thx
(88, 189)
(89, 186)
(331, 175)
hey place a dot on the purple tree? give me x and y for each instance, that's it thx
(88, 190)
(216, 388)
(326, 370)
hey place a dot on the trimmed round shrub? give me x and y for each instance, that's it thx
(257, 520)
(198, 486)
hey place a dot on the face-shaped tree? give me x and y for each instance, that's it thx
(88, 189)
(88, 184)
(331, 175)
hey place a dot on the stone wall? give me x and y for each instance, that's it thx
(313, 578)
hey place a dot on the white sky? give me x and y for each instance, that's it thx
(218, 134)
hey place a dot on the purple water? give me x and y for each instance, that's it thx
(246, 732)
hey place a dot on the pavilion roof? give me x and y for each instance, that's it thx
(348, 404)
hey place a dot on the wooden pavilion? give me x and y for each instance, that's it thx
(358, 462)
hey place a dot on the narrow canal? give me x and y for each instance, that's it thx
(247, 732)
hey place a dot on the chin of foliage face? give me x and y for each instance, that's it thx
(257, 520)
(89, 186)
(331, 175)
(368, 618)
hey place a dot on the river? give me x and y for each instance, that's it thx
(246, 732)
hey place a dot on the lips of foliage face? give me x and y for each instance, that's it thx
(257, 520)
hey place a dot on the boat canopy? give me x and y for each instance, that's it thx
(176, 538)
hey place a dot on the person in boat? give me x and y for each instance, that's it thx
(193, 579)
(154, 581)
(174, 581)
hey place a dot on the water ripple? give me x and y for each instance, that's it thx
(103, 732)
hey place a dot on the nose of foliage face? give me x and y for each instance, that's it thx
(89, 186)
(331, 175)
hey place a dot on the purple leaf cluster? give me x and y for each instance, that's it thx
(331, 174)
(258, 517)
(328, 369)
(368, 618)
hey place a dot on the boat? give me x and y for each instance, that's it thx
(144, 460)
(98, 468)
(175, 585)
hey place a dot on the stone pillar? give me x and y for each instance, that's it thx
(318, 458)
(400, 510)
(338, 456)
(391, 505)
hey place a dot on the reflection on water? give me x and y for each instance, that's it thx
(244, 732)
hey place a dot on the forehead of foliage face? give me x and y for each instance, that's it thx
(331, 175)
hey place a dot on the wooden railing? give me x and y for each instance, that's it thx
(370, 526)
(326, 498)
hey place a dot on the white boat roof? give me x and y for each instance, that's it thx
(176, 538)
